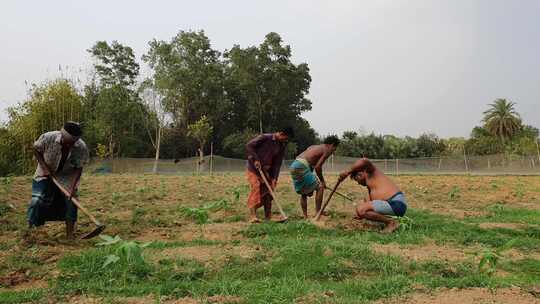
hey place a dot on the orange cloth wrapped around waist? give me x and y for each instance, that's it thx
(259, 194)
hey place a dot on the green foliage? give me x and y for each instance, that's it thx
(454, 193)
(48, 106)
(199, 215)
(201, 130)
(501, 119)
(489, 259)
(128, 252)
(116, 63)
(405, 223)
(389, 146)
(234, 145)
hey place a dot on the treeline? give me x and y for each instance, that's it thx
(194, 97)
(501, 132)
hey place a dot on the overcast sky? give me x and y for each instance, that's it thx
(392, 67)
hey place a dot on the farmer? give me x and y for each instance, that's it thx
(304, 180)
(61, 154)
(265, 152)
(385, 198)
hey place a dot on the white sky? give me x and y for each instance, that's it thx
(392, 67)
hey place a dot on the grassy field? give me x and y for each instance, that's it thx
(465, 240)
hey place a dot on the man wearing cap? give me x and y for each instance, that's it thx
(61, 154)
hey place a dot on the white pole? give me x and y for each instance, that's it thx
(538, 150)
(211, 158)
(465, 159)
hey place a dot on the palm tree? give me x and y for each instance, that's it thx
(501, 119)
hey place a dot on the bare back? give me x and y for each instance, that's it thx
(380, 186)
(313, 153)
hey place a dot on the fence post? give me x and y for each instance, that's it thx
(489, 164)
(465, 159)
(332, 163)
(211, 158)
(538, 150)
(385, 165)
(440, 162)
(397, 166)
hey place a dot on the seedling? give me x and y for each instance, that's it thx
(129, 252)
(200, 215)
(405, 222)
(490, 258)
(454, 193)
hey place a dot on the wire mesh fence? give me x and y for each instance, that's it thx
(486, 164)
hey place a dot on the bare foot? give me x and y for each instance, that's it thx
(280, 219)
(254, 220)
(390, 227)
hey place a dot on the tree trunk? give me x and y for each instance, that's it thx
(158, 141)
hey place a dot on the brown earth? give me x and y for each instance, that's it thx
(467, 296)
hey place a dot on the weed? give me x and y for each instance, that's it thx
(200, 215)
(454, 193)
(405, 223)
(138, 215)
(490, 258)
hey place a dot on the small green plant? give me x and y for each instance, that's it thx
(490, 258)
(129, 252)
(116, 196)
(138, 215)
(519, 192)
(405, 222)
(217, 205)
(236, 195)
(142, 189)
(454, 193)
(200, 215)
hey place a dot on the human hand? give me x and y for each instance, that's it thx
(343, 175)
(257, 164)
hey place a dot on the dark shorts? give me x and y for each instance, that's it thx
(49, 204)
(396, 205)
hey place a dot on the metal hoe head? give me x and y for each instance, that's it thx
(99, 229)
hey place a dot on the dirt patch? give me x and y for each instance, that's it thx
(190, 232)
(502, 225)
(205, 254)
(457, 213)
(224, 299)
(14, 278)
(429, 251)
(468, 296)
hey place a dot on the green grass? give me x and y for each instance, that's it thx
(32, 295)
(501, 213)
(296, 261)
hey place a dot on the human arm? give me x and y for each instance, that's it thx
(318, 167)
(251, 147)
(360, 165)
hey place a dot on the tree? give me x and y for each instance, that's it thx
(502, 120)
(113, 109)
(49, 106)
(265, 82)
(115, 63)
(234, 145)
(201, 131)
(156, 121)
(429, 145)
(188, 73)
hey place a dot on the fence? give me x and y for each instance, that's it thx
(488, 164)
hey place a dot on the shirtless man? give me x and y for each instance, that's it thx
(385, 198)
(304, 180)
